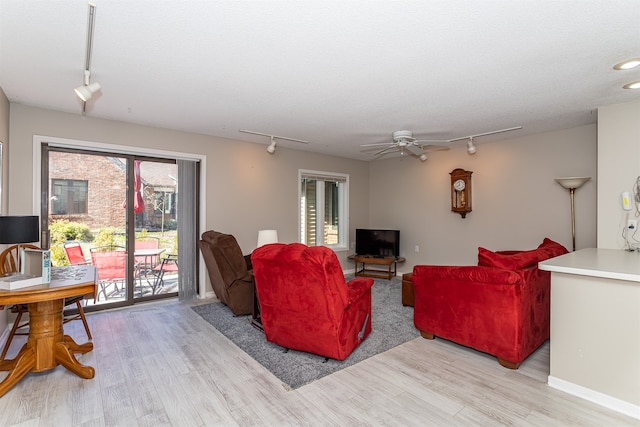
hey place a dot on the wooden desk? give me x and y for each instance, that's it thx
(387, 273)
(47, 346)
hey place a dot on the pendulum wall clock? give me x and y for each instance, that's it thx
(461, 191)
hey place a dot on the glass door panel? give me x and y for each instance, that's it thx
(156, 236)
(88, 218)
(88, 195)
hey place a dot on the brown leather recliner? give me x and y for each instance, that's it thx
(229, 271)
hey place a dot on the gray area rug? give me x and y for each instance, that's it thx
(392, 325)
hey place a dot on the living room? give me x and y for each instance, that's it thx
(516, 202)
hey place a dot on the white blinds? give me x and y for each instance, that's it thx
(187, 232)
(315, 176)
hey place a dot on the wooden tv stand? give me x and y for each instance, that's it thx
(372, 266)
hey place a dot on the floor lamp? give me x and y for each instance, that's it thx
(267, 236)
(571, 184)
(18, 230)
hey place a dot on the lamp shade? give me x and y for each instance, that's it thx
(19, 229)
(267, 236)
(572, 181)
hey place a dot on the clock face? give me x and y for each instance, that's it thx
(459, 185)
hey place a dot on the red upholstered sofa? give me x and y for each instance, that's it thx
(305, 303)
(500, 307)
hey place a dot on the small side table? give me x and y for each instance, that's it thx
(408, 297)
(383, 268)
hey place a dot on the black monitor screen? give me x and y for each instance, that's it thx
(377, 242)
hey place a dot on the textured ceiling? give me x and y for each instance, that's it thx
(335, 73)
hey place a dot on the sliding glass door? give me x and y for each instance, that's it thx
(118, 212)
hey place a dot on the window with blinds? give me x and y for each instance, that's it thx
(324, 209)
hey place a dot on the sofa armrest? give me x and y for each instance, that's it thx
(358, 287)
(474, 274)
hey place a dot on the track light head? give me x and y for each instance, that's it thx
(471, 149)
(86, 92)
(423, 157)
(272, 147)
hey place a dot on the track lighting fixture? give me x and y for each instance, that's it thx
(272, 147)
(86, 91)
(471, 149)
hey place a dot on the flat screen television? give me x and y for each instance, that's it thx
(377, 243)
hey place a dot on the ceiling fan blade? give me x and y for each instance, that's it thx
(386, 150)
(414, 149)
(428, 149)
(376, 144)
(435, 142)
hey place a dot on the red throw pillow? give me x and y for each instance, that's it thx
(521, 259)
(514, 261)
(549, 249)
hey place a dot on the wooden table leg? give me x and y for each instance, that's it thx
(46, 348)
(65, 357)
(23, 363)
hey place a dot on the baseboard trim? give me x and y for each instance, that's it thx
(601, 399)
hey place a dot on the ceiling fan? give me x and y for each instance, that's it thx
(403, 140)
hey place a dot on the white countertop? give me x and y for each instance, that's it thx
(608, 263)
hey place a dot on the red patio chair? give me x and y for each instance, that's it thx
(147, 243)
(112, 268)
(169, 264)
(74, 254)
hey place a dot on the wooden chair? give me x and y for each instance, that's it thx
(8, 264)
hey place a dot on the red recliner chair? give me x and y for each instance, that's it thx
(500, 307)
(305, 302)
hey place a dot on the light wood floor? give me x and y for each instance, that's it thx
(161, 364)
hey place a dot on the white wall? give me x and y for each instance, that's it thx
(246, 190)
(618, 169)
(516, 202)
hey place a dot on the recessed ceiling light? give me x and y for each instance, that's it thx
(628, 64)
(633, 85)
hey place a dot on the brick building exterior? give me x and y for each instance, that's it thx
(91, 189)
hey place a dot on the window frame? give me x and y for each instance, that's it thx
(343, 208)
(70, 205)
